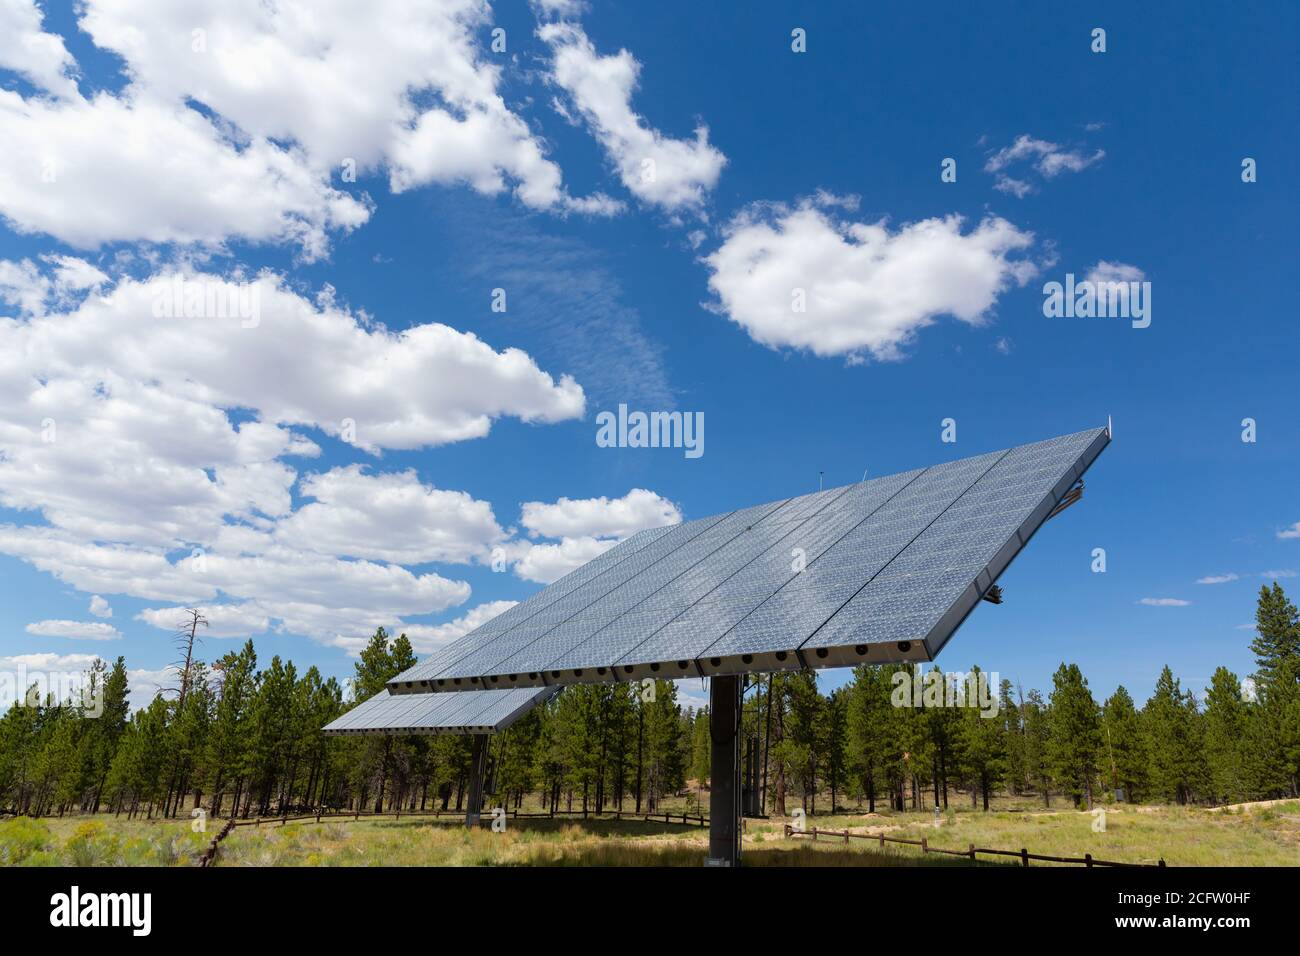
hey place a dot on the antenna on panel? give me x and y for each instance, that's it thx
(1109, 431)
(820, 476)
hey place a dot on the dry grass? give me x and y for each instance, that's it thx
(1254, 836)
(535, 843)
(1182, 836)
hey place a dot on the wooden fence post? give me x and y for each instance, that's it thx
(1024, 856)
(971, 851)
(925, 845)
(1087, 859)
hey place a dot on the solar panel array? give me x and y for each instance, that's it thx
(879, 571)
(476, 712)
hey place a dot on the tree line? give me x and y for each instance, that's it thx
(1235, 744)
(241, 740)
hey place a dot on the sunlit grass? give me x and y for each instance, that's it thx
(535, 843)
(1267, 835)
(1181, 836)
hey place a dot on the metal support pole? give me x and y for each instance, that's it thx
(477, 770)
(767, 746)
(724, 771)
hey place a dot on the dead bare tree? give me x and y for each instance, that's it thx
(185, 637)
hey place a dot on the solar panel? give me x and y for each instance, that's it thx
(879, 571)
(475, 712)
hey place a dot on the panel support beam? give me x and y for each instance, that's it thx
(477, 772)
(724, 770)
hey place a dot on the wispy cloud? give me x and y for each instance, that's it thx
(1164, 602)
(1282, 573)
(75, 630)
(1291, 532)
(1045, 158)
(1104, 272)
(566, 305)
(1218, 578)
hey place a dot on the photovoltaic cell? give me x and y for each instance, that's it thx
(878, 571)
(484, 712)
(535, 605)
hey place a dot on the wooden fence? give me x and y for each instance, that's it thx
(815, 834)
(210, 853)
(685, 819)
(1023, 855)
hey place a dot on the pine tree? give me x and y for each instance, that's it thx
(109, 727)
(1074, 739)
(701, 747)
(1038, 751)
(1125, 761)
(1277, 636)
(1225, 736)
(228, 752)
(835, 742)
(803, 738)
(1173, 733)
(983, 744)
(1277, 652)
(1013, 734)
(868, 719)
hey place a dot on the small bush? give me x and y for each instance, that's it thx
(90, 846)
(21, 838)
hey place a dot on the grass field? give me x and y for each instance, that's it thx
(1266, 835)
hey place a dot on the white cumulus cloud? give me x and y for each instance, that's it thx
(601, 517)
(799, 276)
(673, 174)
(585, 527)
(426, 638)
(27, 49)
(224, 620)
(161, 451)
(549, 562)
(389, 517)
(248, 120)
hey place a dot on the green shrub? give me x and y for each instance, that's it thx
(22, 837)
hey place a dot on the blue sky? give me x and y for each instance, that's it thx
(519, 171)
